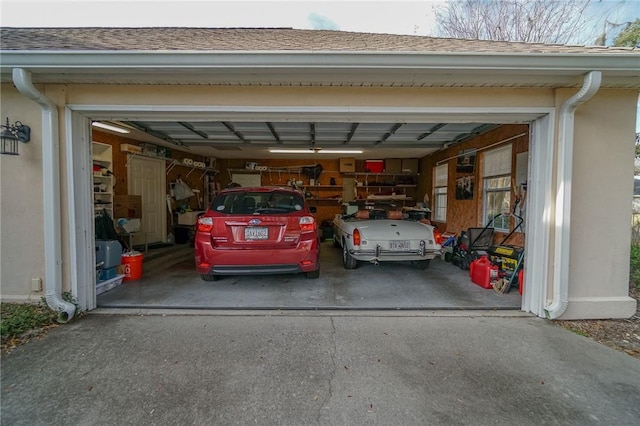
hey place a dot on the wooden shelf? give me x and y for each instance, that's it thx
(381, 174)
(385, 186)
(322, 186)
(246, 171)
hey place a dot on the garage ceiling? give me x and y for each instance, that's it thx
(253, 139)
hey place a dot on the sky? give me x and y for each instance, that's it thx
(411, 17)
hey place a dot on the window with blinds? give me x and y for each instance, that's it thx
(496, 177)
(440, 179)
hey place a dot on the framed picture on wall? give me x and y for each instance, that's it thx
(466, 161)
(464, 188)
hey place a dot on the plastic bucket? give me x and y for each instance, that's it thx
(132, 266)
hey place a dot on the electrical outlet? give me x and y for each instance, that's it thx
(36, 284)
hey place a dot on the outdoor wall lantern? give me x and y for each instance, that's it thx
(11, 135)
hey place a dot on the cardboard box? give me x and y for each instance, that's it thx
(347, 165)
(127, 147)
(410, 165)
(393, 165)
(188, 218)
(127, 206)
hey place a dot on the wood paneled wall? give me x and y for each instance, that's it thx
(464, 214)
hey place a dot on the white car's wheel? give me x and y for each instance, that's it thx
(348, 261)
(336, 243)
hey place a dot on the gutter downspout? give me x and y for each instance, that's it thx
(51, 189)
(564, 171)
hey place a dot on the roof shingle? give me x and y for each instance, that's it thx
(262, 39)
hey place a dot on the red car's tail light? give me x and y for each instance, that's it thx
(438, 236)
(205, 224)
(356, 237)
(307, 224)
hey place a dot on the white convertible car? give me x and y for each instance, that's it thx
(381, 236)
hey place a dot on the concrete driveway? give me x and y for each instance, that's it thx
(317, 368)
(174, 283)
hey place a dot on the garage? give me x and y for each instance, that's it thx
(513, 112)
(342, 182)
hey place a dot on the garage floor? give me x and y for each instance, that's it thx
(388, 286)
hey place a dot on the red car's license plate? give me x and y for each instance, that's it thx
(256, 233)
(398, 245)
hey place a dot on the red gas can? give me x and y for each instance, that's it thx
(482, 272)
(520, 281)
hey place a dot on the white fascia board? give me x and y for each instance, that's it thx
(525, 62)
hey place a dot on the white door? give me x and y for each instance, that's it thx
(146, 177)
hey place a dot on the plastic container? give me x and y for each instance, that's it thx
(374, 166)
(108, 273)
(109, 252)
(132, 266)
(482, 271)
(520, 281)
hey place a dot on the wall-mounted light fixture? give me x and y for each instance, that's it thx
(110, 127)
(11, 135)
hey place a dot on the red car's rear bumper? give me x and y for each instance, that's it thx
(230, 261)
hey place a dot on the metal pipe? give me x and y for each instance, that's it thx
(51, 189)
(564, 170)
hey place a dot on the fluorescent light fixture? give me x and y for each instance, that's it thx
(110, 127)
(315, 151)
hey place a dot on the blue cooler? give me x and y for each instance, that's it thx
(109, 252)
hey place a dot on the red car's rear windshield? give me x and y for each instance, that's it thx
(258, 202)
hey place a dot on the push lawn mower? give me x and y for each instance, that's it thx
(501, 262)
(476, 242)
(470, 244)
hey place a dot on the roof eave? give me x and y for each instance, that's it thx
(619, 64)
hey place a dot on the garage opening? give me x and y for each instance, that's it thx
(462, 173)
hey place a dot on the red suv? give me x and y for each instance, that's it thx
(261, 230)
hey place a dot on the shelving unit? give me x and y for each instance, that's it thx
(371, 188)
(103, 178)
(321, 192)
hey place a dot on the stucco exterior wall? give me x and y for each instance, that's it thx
(602, 191)
(602, 185)
(21, 203)
(307, 96)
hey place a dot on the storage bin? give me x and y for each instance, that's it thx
(108, 273)
(374, 166)
(107, 285)
(109, 252)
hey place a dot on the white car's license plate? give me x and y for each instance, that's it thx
(256, 233)
(398, 245)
